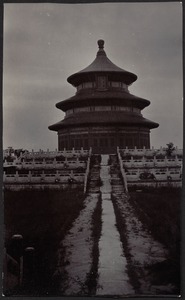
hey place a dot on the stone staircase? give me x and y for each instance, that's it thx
(94, 177)
(116, 179)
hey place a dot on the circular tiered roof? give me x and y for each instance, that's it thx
(101, 118)
(109, 96)
(102, 64)
(102, 98)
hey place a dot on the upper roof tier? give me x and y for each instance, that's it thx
(101, 64)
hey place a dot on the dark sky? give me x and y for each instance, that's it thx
(46, 43)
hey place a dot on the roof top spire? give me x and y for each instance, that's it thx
(101, 47)
(102, 64)
(101, 44)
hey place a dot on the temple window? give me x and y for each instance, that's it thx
(103, 108)
(116, 84)
(85, 85)
(88, 85)
(101, 82)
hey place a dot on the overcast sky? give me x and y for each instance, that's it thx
(46, 43)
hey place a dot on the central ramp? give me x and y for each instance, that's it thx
(112, 270)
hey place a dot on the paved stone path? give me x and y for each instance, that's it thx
(113, 278)
(113, 266)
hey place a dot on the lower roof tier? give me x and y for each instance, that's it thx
(102, 98)
(104, 118)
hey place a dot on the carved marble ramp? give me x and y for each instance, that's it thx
(112, 270)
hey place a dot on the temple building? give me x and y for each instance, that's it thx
(103, 114)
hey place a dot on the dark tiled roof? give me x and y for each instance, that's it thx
(102, 64)
(86, 97)
(104, 118)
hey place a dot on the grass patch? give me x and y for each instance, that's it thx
(120, 223)
(43, 218)
(159, 211)
(96, 233)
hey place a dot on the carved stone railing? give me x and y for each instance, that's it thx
(87, 171)
(43, 178)
(122, 170)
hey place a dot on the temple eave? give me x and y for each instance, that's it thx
(103, 98)
(80, 123)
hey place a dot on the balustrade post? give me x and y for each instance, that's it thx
(135, 150)
(123, 172)
(29, 176)
(144, 150)
(144, 161)
(57, 175)
(54, 162)
(155, 160)
(90, 151)
(82, 150)
(16, 175)
(42, 176)
(17, 253)
(4, 176)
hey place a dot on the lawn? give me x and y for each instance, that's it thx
(159, 210)
(42, 218)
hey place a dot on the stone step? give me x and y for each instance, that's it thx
(117, 181)
(118, 190)
(117, 186)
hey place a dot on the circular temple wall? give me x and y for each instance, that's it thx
(103, 139)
